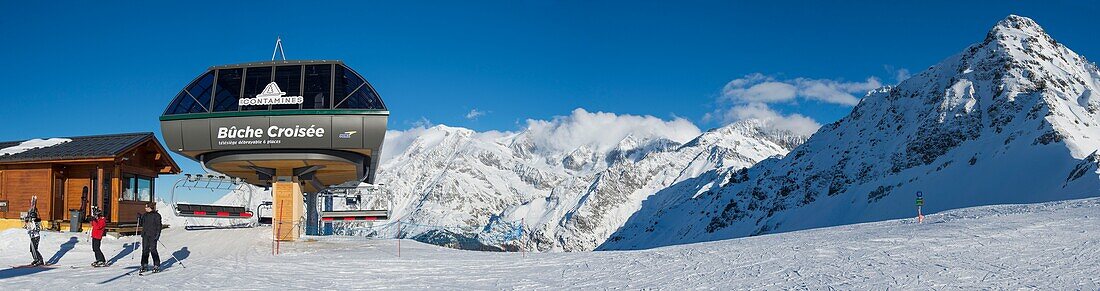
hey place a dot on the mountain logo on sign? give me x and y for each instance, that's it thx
(271, 95)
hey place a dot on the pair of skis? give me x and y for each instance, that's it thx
(146, 273)
(52, 266)
(93, 266)
(141, 273)
(49, 266)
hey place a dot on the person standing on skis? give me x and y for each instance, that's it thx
(150, 234)
(99, 227)
(33, 224)
(920, 203)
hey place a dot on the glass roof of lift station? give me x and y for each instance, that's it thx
(276, 86)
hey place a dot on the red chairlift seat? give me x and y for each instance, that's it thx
(212, 211)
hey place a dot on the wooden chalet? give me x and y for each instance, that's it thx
(119, 172)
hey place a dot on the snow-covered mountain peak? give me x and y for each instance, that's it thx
(1018, 25)
(1021, 42)
(1017, 75)
(627, 143)
(601, 132)
(1018, 38)
(749, 128)
(573, 179)
(450, 129)
(1008, 120)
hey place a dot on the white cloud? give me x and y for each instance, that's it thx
(834, 92)
(795, 123)
(901, 75)
(422, 122)
(397, 141)
(770, 91)
(601, 131)
(761, 88)
(762, 92)
(474, 113)
(749, 97)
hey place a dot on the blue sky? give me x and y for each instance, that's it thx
(88, 68)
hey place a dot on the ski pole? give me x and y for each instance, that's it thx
(173, 255)
(136, 231)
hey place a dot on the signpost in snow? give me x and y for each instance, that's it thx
(920, 202)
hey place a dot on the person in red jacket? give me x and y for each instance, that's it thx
(99, 227)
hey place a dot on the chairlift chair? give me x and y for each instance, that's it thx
(265, 212)
(354, 196)
(212, 211)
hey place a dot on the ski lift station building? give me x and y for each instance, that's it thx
(295, 126)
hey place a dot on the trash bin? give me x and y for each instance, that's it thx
(75, 219)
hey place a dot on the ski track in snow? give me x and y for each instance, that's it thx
(1047, 246)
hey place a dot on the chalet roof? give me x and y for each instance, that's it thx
(81, 147)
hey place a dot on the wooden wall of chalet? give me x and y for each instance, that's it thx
(19, 183)
(76, 177)
(142, 161)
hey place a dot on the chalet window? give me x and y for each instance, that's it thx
(136, 188)
(127, 187)
(144, 189)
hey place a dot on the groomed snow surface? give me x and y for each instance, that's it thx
(1045, 246)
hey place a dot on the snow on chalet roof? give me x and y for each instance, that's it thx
(81, 147)
(32, 144)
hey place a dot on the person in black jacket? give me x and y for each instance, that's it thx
(150, 234)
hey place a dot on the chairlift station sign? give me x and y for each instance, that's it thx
(315, 119)
(310, 131)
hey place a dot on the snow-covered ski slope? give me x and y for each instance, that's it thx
(1050, 246)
